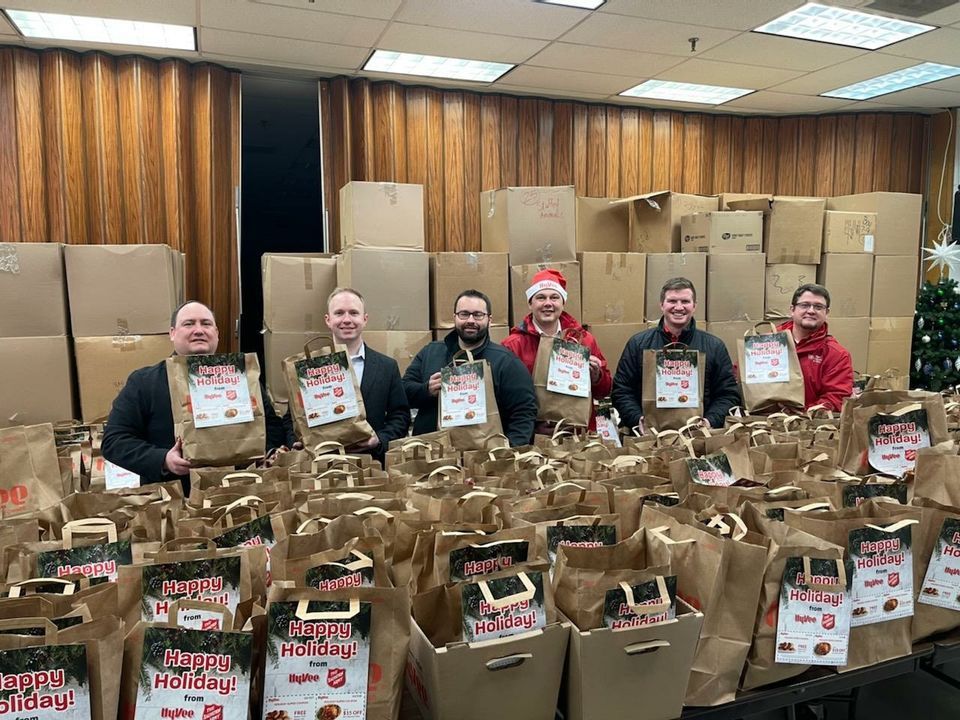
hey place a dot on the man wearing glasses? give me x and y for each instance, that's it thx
(512, 384)
(826, 364)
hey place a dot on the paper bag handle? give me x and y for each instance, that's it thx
(326, 338)
(372, 510)
(488, 496)
(661, 534)
(173, 617)
(642, 648)
(895, 527)
(839, 585)
(68, 586)
(319, 448)
(652, 608)
(738, 532)
(629, 460)
(89, 526)
(499, 603)
(446, 471)
(539, 472)
(763, 323)
(773, 492)
(305, 614)
(494, 452)
(306, 523)
(813, 409)
(225, 480)
(812, 506)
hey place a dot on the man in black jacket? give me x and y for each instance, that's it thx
(139, 433)
(512, 384)
(678, 301)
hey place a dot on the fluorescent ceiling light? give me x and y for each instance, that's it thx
(685, 92)
(585, 4)
(892, 82)
(841, 26)
(52, 26)
(434, 66)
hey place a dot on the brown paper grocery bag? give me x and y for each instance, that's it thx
(673, 382)
(29, 469)
(770, 372)
(467, 404)
(936, 547)
(561, 379)
(228, 429)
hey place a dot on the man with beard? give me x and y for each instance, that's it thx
(826, 364)
(512, 384)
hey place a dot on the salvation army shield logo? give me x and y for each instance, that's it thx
(231, 394)
(910, 455)
(685, 384)
(338, 392)
(210, 624)
(472, 399)
(893, 579)
(336, 677)
(213, 712)
(829, 621)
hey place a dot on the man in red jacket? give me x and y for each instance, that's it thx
(826, 364)
(547, 295)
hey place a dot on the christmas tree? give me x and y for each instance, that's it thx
(936, 327)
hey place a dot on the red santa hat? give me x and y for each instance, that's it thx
(548, 280)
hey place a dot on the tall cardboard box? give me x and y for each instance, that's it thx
(792, 228)
(602, 226)
(279, 345)
(735, 283)
(401, 345)
(612, 339)
(381, 215)
(854, 335)
(38, 385)
(729, 333)
(722, 232)
(895, 286)
(121, 289)
(848, 232)
(451, 273)
(611, 285)
(521, 277)
(782, 280)
(727, 198)
(849, 278)
(105, 363)
(395, 286)
(533, 224)
(33, 290)
(666, 266)
(295, 290)
(898, 219)
(655, 218)
(890, 344)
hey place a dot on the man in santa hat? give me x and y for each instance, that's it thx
(547, 296)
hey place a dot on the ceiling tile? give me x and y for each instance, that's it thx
(776, 102)
(865, 106)
(731, 14)
(283, 50)
(771, 51)
(500, 17)
(710, 72)
(862, 67)
(658, 104)
(921, 97)
(289, 23)
(273, 68)
(177, 12)
(363, 8)
(950, 84)
(567, 56)
(546, 92)
(941, 46)
(571, 80)
(629, 33)
(458, 43)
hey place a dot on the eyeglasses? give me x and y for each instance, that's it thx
(466, 315)
(819, 307)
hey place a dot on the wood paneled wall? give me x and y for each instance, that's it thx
(459, 143)
(124, 150)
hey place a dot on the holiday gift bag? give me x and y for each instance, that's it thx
(769, 369)
(326, 401)
(561, 378)
(217, 407)
(29, 469)
(672, 391)
(936, 569)
(467, 404)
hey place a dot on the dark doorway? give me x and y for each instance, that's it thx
(281, 200)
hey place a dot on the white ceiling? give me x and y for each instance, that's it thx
(560, 52)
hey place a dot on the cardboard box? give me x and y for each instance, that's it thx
(849, 278)
(533, 224)
(729, 333)
(782, 280)
(602, 226)
(105, 363)
(402, 346)
(854, 335)
(511, 678)
(295, 290)
(895, 285)
(612, 339)
(727, 198)
(280, 345)
(498, 333)
(520, 277)
(722, 232)
(39, 382)
(735, 283)
(848, 232)
(395, 286)
(451, 273)
(655, 218)
(898, 219)
(121, 289)
(666, 266)
(611, 287)
(180, 276)
(33, 291)
(381, 215)
(610, 674)
(792, 228)
(890, 344)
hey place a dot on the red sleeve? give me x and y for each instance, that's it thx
(836, 378)
(602, 387)
(517, 344)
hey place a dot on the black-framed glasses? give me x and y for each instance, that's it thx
(466, 315)
(819, 307)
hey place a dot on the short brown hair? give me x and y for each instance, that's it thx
(341, 291)
(677, 283)
(814, 289)
(181, 306)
